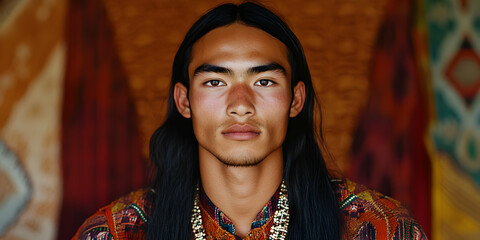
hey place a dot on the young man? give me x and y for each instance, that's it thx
(237, 156)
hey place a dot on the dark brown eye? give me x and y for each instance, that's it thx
(214, 83)
(264, 82)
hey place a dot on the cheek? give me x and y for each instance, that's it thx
(205, 109)
(201, 103)
(277, 108)
(203, 127)
(277, 103)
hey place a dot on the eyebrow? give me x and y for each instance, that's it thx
(253, 70)
(266, 68)
(211, 68)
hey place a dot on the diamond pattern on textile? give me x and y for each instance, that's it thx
(463, 72)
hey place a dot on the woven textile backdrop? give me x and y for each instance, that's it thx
(112, 42)
(434, 108)
(389, 153)
(453, 27)
(32, 53)
(101, 155)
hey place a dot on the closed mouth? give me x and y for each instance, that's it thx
(241, 132)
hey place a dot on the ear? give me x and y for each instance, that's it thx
(298, 99)
(180, 94)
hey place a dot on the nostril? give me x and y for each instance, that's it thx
(241, 112)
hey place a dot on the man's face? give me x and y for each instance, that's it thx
(240, 97)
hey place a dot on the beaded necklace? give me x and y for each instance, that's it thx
(278, 231)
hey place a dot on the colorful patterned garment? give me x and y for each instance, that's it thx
(124, 218)
(367, 214)
(219, 225)
(372, 215)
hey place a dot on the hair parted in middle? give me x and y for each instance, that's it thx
(314, 212)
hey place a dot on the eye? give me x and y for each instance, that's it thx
(214, 83)
(264, 82)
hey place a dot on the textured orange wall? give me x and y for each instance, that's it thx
(338, 37)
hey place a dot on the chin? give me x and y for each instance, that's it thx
(245, 161)
(241, 164)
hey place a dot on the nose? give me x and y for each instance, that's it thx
(241, 101)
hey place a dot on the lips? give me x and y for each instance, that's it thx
(241, 132)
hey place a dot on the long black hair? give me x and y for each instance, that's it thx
(314, 212)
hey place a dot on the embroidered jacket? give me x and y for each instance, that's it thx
(368, 215)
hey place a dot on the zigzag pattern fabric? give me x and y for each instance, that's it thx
(453, 29)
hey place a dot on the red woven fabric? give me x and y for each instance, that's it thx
(101, 156)
(389, 152)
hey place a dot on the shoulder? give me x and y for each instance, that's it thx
(124, 217)
(372, 215)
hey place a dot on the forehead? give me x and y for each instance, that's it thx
(238, 43)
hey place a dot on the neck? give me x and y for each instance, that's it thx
(241, 192)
